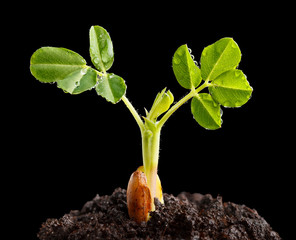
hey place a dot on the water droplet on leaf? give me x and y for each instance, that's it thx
(237, 73)
(226, 104)
(237, 104)
(83, 71)
(233, 45)
(180, 53)
(177, 60)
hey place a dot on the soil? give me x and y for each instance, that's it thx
(187, 216)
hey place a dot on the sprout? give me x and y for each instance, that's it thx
(227, 87)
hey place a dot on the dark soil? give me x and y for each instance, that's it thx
(188, 216)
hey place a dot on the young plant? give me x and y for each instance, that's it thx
(227, 86)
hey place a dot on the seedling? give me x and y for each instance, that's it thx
(227, 86)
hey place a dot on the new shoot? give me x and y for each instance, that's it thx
(227, 86)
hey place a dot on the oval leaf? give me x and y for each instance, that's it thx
(50, 64)
(79, 81)
(111, 87)
(101, 48)
(219, 57)
(186, 72)
(206, 111)
(231, 89)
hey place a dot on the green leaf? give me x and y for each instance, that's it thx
(50, 64)
(79, 81)
(161, 104)
(101, 48)
(111, 87)
(206, 111)
(231, 89)
(219, 57)
(186, 72)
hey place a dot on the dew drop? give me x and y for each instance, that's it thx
(96, 60)
(83, 71)
(233, 44)
(192, 56)
(77, 84)
(237, 73)
(176, 60)
(227, 104)
(221, 112)
(189, 50)
(92, 50)
(180, 52)
(103, 43)
(238, 104)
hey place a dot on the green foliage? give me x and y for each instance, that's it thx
(101, 48)
(50, 64)
(227, 85)
(219, 57)
(69, 70)
(231, 88)
(111, 87)
(78, 81)
(206, 111)
(185, 70)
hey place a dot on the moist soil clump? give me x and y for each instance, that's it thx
(187, 216)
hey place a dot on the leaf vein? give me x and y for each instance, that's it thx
(206, 109)
(57, 65)
(208, 78)
(233, 88)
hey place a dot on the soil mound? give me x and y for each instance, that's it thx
(188, 216)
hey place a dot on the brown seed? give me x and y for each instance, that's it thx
(139, 201)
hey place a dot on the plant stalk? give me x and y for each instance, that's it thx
(180, 103)
(150, 151)
(150, 133)
(133, 112)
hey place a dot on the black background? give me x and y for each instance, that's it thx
(66, 149)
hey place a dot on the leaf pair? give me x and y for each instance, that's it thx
(228, 86)
(69, 69)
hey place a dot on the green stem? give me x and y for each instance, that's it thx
(150, 132)
(133, 112)
(150, 150)
(180, 103)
